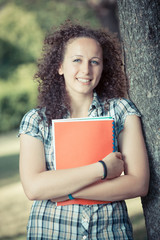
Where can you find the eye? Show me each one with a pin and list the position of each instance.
(77, 60)
(94, 62)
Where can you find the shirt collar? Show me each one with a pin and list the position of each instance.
(95, 109)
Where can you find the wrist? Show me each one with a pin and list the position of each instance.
(104, 169)
(99, 171)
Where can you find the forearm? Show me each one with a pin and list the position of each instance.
(123, 187)
(40, 184)
(55, 184)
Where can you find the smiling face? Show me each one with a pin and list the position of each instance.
(82, 66)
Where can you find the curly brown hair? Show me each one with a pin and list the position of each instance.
(52, 92)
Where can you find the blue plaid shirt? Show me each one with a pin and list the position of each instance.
(100, 221)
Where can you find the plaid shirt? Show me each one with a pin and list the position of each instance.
(100, 221)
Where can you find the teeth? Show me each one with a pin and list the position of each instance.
(83, 80)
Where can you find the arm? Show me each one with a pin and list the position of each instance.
(40, 184)
(136, 179)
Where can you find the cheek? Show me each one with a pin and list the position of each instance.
(72, 72)
(70, 69)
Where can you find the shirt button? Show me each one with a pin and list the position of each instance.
(84, 237)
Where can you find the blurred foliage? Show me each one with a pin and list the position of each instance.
(20, 38)
(22, 29)
(17, 97)
(53, 12)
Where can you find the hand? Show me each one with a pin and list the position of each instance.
(115, 164)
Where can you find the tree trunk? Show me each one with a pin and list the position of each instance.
(140, 31)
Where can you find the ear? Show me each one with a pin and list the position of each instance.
(60, 70)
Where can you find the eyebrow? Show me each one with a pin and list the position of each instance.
(82, 56)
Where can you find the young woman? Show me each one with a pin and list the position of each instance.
(81, 75)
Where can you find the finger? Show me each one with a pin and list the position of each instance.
(119, 155)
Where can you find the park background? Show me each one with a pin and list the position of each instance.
(23, 25)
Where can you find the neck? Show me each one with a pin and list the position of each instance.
(80, 105)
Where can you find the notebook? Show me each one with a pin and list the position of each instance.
(79, 142)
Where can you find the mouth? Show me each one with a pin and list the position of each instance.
(84, 80)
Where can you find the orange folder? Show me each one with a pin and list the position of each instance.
(80, 142)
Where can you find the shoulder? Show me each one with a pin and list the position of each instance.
(34, 115)
(120, 108)
(30, 119)
(123, 106)
(33, 123)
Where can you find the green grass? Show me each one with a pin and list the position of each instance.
(138, 227)
(17, 237)
(9, 172)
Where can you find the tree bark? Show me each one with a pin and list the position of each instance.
(140, 32)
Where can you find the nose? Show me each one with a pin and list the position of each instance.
(85, 68)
